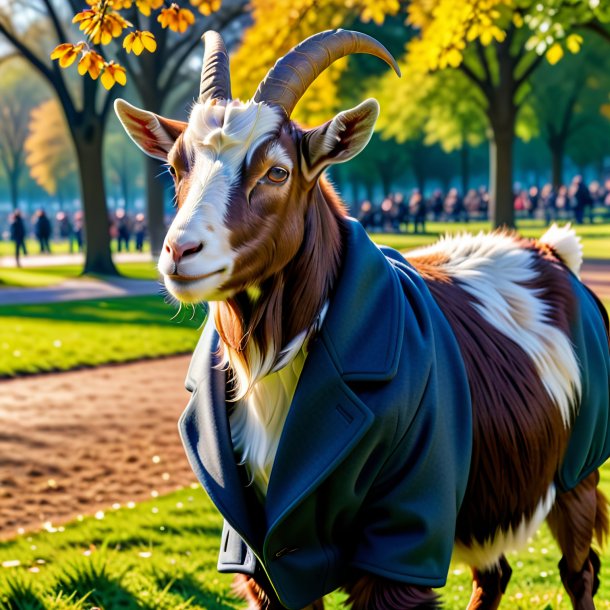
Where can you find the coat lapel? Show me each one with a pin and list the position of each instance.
(204, 428)
(360, 341)
(326, 419)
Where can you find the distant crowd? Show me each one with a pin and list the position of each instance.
(70, 228)
(576, 201)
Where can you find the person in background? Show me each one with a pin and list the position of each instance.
(18, 235)
(583, 202)
(548, 199)
(78, 230)
(139, 230)
(123, 230)
(533, 196)
(65, 229)
(42, 229)
(436, 204)
(417, 209)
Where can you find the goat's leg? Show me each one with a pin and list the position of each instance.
(489, 586)
(371, 592)
(576, 516)
(260, 595)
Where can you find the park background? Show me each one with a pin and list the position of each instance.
(502, 106)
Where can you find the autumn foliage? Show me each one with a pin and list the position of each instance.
(104, 22)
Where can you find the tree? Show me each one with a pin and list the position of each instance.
(433, 108)
(17, 96)
(86, 110)
(125, 170)
(278, 26)
(498, 45)
(567, 98)
(49, 150)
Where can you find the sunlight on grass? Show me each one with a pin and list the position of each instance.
(62, 336)
(162, 555)
(36, 277)
(595, 238)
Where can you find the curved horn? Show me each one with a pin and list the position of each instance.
(292, 74)
(215, 76)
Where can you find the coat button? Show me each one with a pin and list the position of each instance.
(286, 551)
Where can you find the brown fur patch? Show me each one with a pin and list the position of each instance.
(431, 266)
(518, 434)
(372, 592)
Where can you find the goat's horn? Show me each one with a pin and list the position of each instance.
(292, 74)
(215, 76)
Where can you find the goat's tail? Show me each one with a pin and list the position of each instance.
(566, 245)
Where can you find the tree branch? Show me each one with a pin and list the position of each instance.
(219, 24)
(27, 53)
(483, 59)
(110, 97)
(528, 72)
(598, 28)
(59, 30)
(481, 84)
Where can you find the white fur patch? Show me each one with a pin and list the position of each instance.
(258, 419)
(494, 269)
(566, 244)
(486, 555)
(217, 140)
(263, 398)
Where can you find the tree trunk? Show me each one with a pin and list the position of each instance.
(465, 167)
(88, 142)
(13, 185)
(557, 157)
(155, 205)
(502, 211)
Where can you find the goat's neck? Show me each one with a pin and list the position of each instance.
(267, 326)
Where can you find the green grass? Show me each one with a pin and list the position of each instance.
(62, 336)
(37, 277)
(7, 248)
(161, 555)
(595, 238)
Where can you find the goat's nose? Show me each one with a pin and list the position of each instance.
(179, 251)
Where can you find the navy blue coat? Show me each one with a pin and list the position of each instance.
(374, 457)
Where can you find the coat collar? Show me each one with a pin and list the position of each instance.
(363, 329)
(360, 340)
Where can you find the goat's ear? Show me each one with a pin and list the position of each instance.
(154, 134)
(339, 140)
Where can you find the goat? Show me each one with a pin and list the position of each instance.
(358, 417)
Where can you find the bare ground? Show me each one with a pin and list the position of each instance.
(77, 442)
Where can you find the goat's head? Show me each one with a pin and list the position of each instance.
(243, 171)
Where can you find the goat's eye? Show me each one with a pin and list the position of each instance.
(277, 174)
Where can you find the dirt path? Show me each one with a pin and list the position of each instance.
(74, 443)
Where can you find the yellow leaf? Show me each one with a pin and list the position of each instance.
(573, 42)
(554, 54)
(517, 20)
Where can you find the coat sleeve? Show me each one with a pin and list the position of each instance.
(410, 514)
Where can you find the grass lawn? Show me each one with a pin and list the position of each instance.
(62, 336)
(7, 248)
(595, 238)
(161, 555)
(36, 277)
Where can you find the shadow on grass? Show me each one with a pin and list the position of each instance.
(187, 587)
(93, 581)
(19, 594)
(144, 310)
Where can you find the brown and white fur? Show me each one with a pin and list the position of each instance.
(266, 254)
